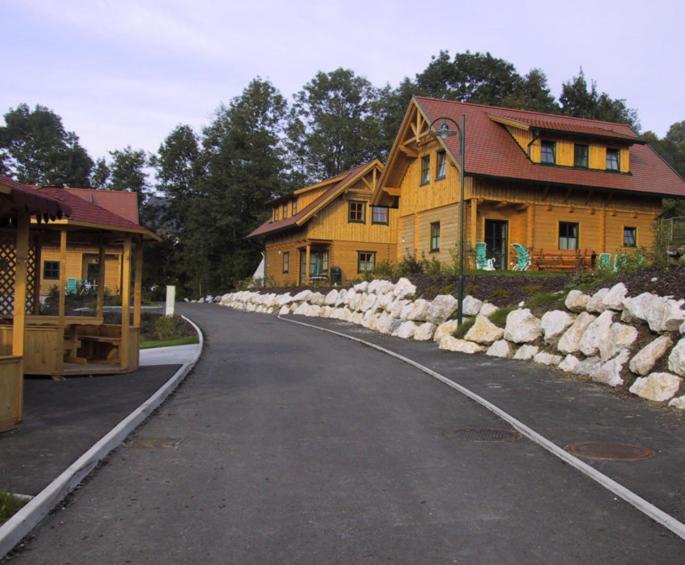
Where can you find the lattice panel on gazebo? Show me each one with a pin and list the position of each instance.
(8, 265)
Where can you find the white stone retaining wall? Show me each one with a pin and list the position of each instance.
(595, 336)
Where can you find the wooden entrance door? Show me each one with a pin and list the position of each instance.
(497, 240)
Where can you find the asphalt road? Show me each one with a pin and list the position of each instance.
(289, 445)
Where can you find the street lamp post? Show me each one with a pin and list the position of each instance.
(444, 132)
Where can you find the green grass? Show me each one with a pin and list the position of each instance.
(151, 343)
(545, 301)
(9, 505)
(462, 330)
(499, 318)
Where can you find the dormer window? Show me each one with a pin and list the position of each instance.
(441, 165)
(613, 160)
(580, 156)
(425, 169)
(548, 152)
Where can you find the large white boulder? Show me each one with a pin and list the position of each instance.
(446, 328)
(663, 314)
(522, 326)
(340, 299)
(471, 306)
(312, 310)
(646, 358)
(418, 312)
(380, 286)
(350, 295)
(441, 308)
(398, 307)
(404, 288)
(501, 348)
(656, 386)
(361, 287)
(368, 302)
(301, 309)
(589, 366)
(316, 298)
(284, 311)
(569, 363)
(424, 332)
(576, 301)
(554, 323)
(596, 332)
(484, 331)
(449, 343)
(283, 299)
(613, 299)
(545, 358)
(526, 352)
(609, 372)
(302, 296)
(385, 324)
(682, 328)
(570, 340)
(678, 403)
(488, 309)
(621, 336)
(596, 302)
(406, 330)
(676, 360)
(331, 297)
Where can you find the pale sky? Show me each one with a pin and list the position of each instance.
(125, 72)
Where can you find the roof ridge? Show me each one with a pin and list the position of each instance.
(536, 112)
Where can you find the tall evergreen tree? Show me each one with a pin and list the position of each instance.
(334, 124)
(579, 100)
(35, 148)
(99, 177)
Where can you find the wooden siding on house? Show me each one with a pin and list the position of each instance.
(76, 269)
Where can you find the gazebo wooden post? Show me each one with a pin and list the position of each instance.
(125, 303)
(138, 284)
(37, 241)
(100, 304)
(62, 274)
(19, 314)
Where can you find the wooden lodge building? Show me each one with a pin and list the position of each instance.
(329, 231)
(551, 183)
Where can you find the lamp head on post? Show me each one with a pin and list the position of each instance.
(444, 131)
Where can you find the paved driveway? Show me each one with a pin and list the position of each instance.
(289, 445)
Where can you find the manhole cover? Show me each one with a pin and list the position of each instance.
(485, 434)
(605, 451)
(153, 443)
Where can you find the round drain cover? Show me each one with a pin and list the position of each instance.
(486, 434)
(605, 451)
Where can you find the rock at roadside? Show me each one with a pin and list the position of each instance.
(284, 311)
(406, 330)
(302, 296)
(424, 332)
(522, 326)
(418, 310)
(441, 308)
(621, 336)
(501, 348)
(613, 299)
(678, 403)
(449, 343)
(483, 331)
(570, 341)
(331, 297)
(446, 328)
(545, 358)
(657, 386)
(554, 323)
(576, 301)
(526, 352)
(589, 366)
(404, 288)
(569, 364)
(646, 358)
(609, 372)
(595, 332)
(471, 306)
(488, 309)
(676, 360)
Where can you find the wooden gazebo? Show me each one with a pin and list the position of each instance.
(19, 204)
(66, 337)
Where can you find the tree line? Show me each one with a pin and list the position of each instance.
(212, 187)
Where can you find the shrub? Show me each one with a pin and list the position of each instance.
(431, 266)
(632, 261)
(409, 266)
(384, 270)
(169, 327)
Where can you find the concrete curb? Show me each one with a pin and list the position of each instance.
(21, 524)
(644, 506)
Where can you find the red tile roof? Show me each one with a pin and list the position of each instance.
(85, 212)
(123, 203)
(29, 198)
(270, 227)
(491, 151)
